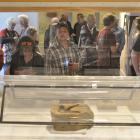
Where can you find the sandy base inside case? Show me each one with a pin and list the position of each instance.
(29, 132)
(121, 114)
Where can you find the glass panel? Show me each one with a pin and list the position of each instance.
(84, 56)
(110, 102)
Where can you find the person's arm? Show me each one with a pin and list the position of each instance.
(82, 38)
(120, 40)
(70, 27)
(95, 34)
(46, 39)
(123, 39)
(4, 40)
(113, 43)
(48, 62)
(74, 29)
(135, 61)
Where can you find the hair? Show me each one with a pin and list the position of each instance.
(59, 26)
(64, 17)
(80, 14)
(24, 18)
(62, 24)
(31, 31)
(10, 21)
(108, 19)
(138, 23)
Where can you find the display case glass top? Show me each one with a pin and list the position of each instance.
(111, 99)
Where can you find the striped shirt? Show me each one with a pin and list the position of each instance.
(56, 56)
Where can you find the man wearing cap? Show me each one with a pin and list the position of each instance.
(27, 61)
(8, 43)
(62, 57)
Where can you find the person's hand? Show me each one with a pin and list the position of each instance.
(114, 49)
(73, 68)
(76, 66)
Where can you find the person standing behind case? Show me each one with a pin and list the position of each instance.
(120, 41)
(50, 33)
(77, 27)
(120, 36)
(106, 42)
(62, 58)
(89, 32)
(8, 43)
(33, 34)
(24, 24)
(26, 61)
(87, 41)
(135, 54)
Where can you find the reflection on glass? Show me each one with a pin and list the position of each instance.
(94, 44)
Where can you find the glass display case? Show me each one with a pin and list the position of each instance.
(93, 108)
